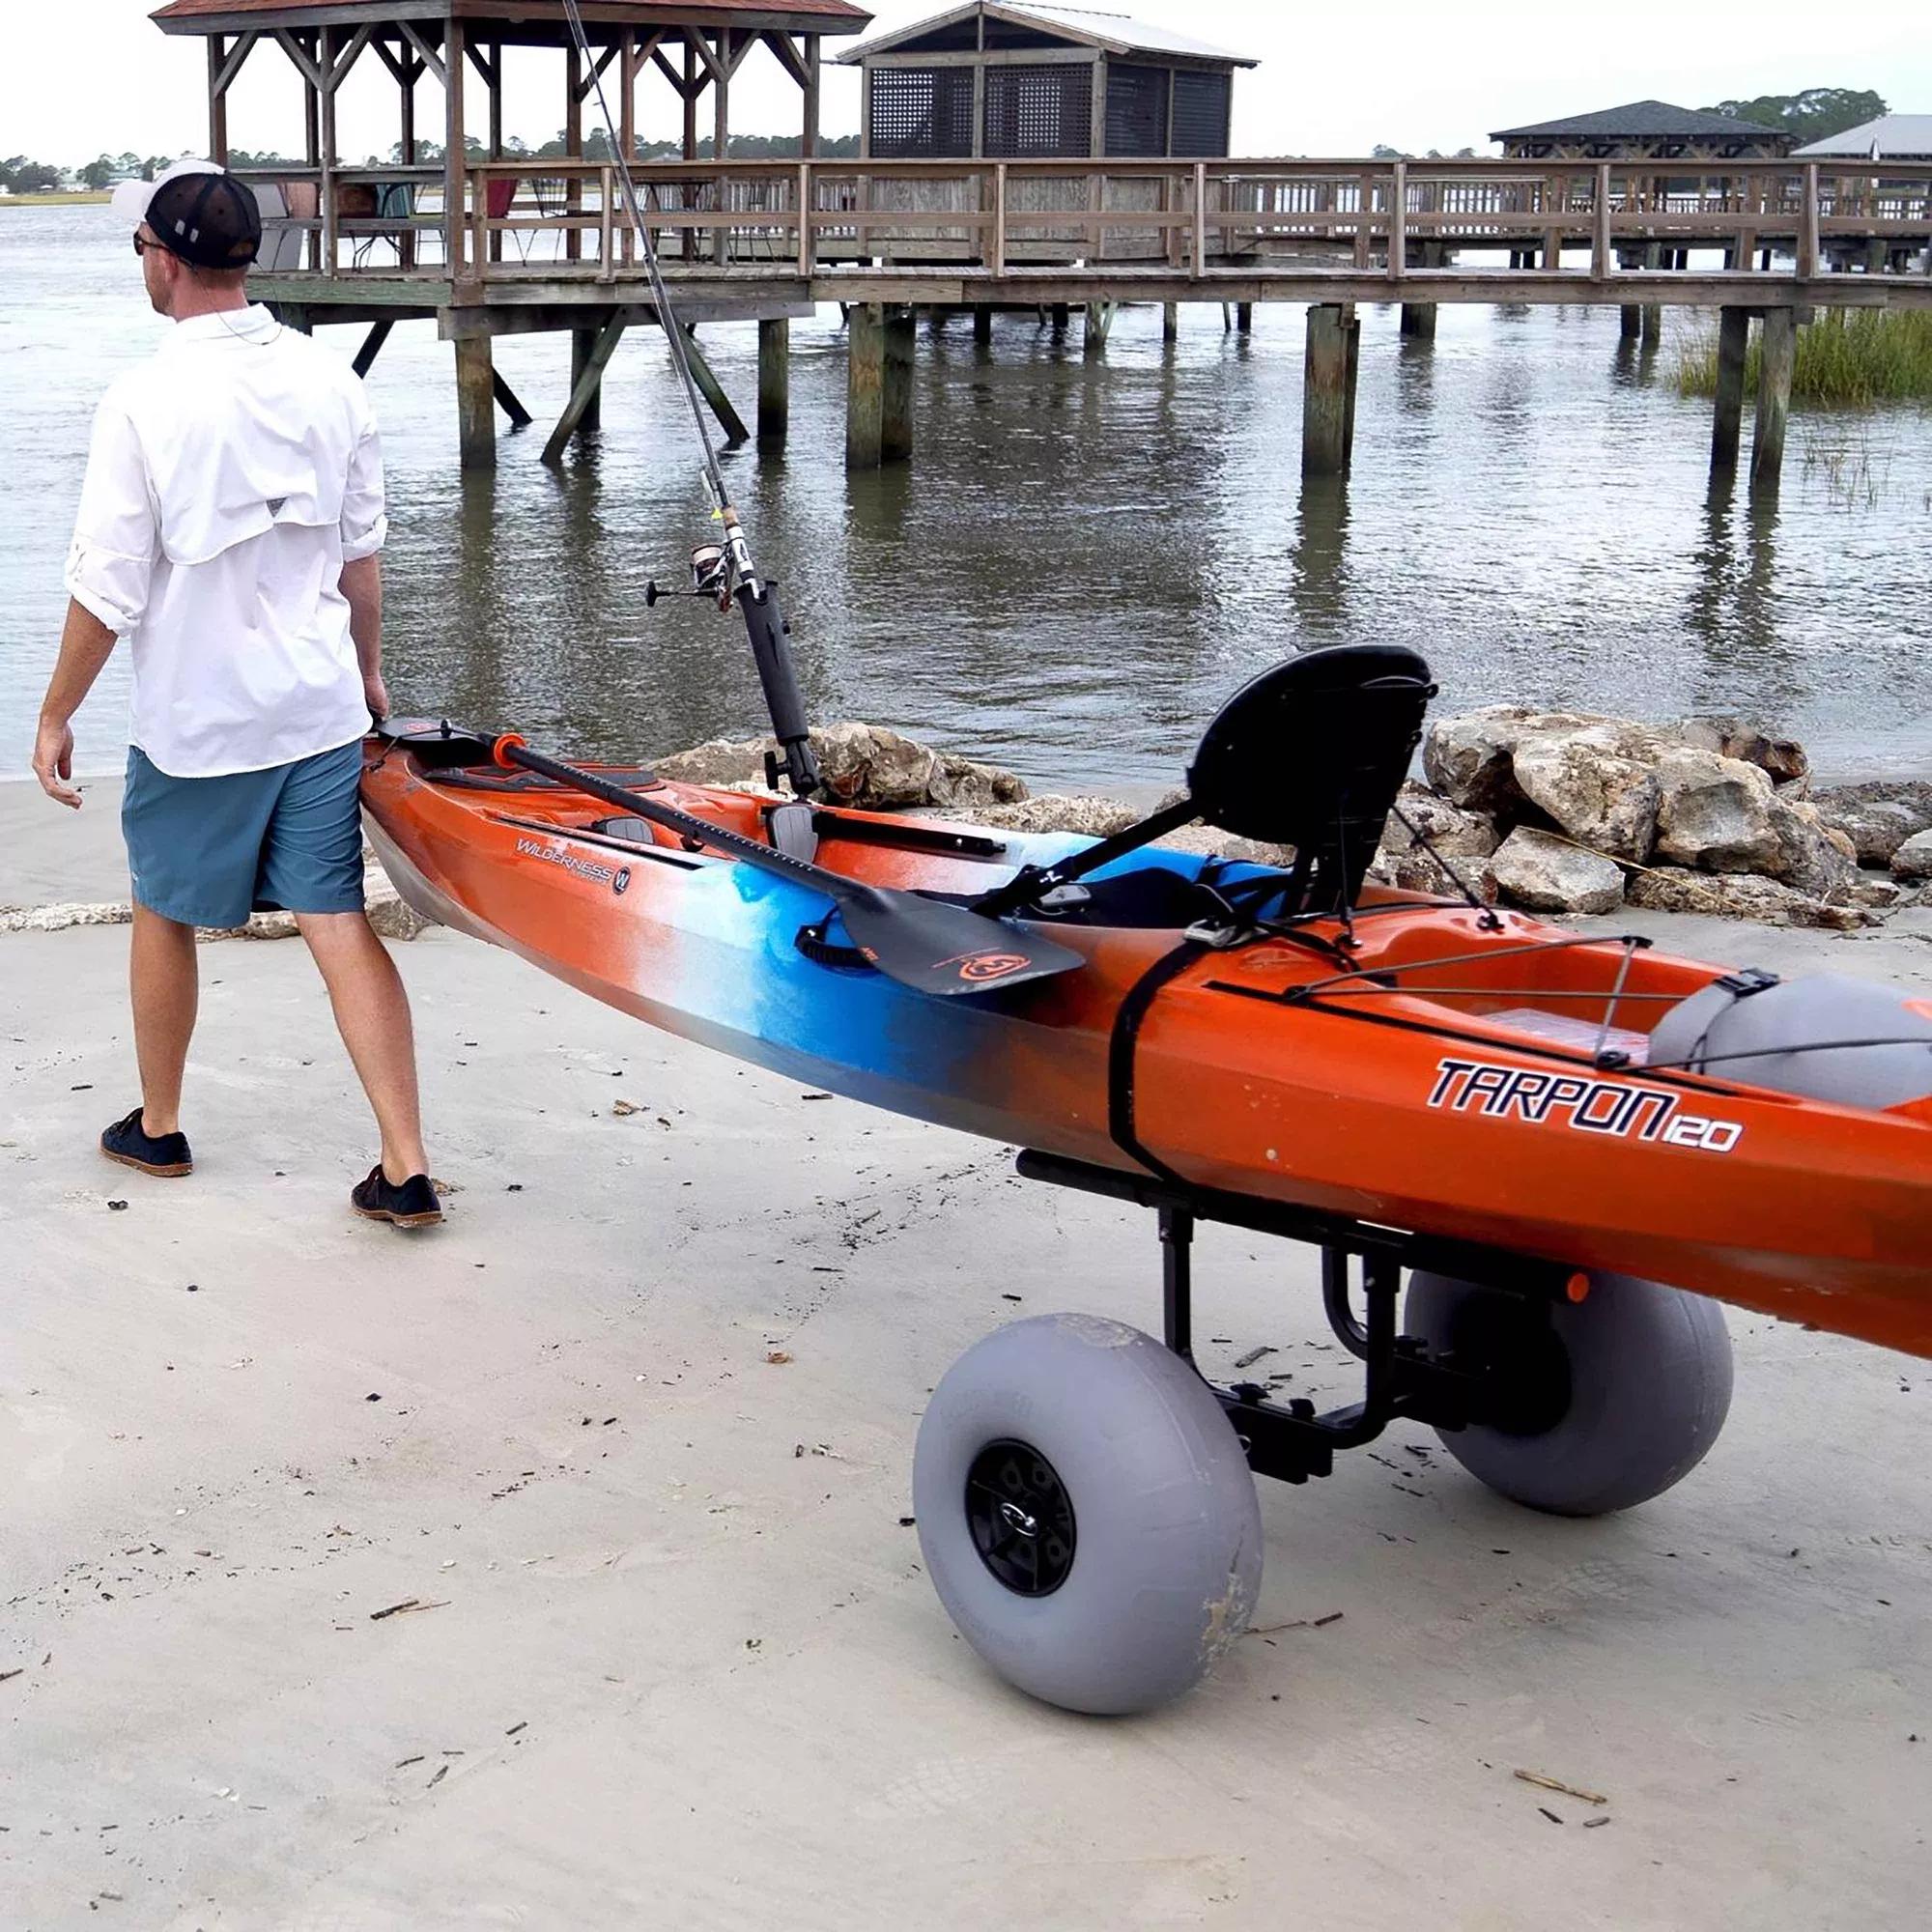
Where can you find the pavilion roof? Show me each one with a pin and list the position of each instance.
(825, 16)
(1638, 121)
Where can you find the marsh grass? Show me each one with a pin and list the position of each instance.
(1851, 357)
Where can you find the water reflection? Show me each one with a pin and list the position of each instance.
(1082, 558)
(1732, 605)
(1321, 584)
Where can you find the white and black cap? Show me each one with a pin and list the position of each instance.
(198, 212)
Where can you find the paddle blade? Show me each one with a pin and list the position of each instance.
(946, 950)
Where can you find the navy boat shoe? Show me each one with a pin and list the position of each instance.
(412, 1204)
(133, 1145)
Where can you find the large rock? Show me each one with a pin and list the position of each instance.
(1468, 758)
(867, 765)
(1781, 760)
(1056, 812)
(1877, 817)
(1812, 858)
(1715, 813)
(1741, 896)
(1462, 839)
(1912, 861)
(1602, 799)
(1548, 875)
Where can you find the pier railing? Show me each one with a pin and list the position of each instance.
(526, 218)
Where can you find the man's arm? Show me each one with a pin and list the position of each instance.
(362, 586)
(109, 572)
(86, 645)
(365, 530)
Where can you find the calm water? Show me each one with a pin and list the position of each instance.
(1082, 558)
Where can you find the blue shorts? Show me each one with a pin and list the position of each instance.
(209, 852)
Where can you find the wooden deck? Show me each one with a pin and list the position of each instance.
(749, 237)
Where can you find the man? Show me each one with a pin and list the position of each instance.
(230, 528)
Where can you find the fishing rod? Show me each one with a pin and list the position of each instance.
(732, 576)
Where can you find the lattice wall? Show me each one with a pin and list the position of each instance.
(1039, 110)
(922, 113)
(1136, 110)
(1201, 113)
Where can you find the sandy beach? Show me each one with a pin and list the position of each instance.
(631, 1436)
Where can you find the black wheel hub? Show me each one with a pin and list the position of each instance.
(1020, 1518)
(1512, 1344)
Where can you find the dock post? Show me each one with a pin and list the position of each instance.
(1244, 318)
(1418, 318)
(1327, 396)
(982, 323)
(1630, 321)
(1061, 312)
(584, 389)
(774, 378)
(865, 384)
(1170, 321)
(1733, 334)
(1653, 324)
(713, 390)
(1096, 324)
(1777, 351)
(475, 403)
(896, 387)
(583, 345)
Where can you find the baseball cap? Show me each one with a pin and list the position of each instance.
(198, 212)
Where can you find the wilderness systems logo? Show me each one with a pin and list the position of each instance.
(585, 868)
(1590, 1106)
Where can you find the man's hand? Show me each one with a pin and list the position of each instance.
(53, 762)
(376, 695)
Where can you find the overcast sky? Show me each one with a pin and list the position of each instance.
(82, 76)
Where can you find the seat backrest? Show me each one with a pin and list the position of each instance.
(1312, 754)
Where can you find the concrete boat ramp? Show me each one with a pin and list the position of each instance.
(552, 1570)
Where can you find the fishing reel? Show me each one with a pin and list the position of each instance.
(710, 578)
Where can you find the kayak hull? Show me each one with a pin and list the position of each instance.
(1251, 1071)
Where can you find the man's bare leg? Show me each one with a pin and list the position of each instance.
(163, 980)
(372, 1013)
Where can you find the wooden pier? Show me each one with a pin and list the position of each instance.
(512, 243)
(763, 239)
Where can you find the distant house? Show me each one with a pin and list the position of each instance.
(1891, 137)
(1645, 130)
(1002, 79)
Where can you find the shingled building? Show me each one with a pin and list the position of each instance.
(1643, 130)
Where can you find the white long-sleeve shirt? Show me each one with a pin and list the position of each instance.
(230, 478)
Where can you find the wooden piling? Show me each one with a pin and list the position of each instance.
(1777, 351)
(1418, 320)
(372, 347)
(713, 392)
(584, 390)
(1653, 324)
(583, 345)
(1170, 321)
(982, 323)
(1327, 402)
(1096, 325)
(1733, 334)
(1244, 318)
(1061, 313)
(475, 403)
(774, 379)
(1630, 320)
(896, 387)
(865, 384)
(511, 403)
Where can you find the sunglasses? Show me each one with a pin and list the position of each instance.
(142, 245)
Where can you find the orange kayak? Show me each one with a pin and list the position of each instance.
(1416, 1064)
